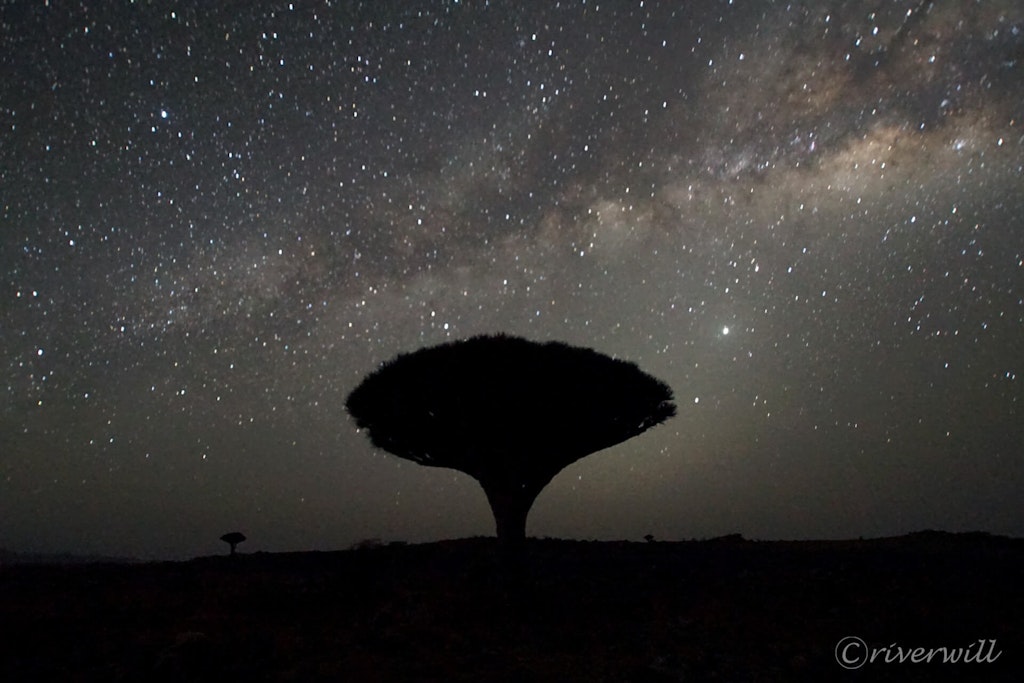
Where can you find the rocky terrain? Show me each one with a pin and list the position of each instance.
(724, 609)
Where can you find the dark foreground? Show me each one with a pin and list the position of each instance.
(719, 610)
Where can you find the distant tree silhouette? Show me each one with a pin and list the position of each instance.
(509, 412)
(233, 538)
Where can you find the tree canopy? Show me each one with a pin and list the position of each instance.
(507, 411)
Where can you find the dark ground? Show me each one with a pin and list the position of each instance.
(718, 610)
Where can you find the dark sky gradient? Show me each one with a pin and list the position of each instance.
(806, 217)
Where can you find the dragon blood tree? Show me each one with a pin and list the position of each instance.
(509, 412)
(233, 538)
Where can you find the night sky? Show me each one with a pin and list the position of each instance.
(216, 218)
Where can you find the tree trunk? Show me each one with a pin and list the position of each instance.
(510, 504)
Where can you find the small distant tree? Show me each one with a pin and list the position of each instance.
(366, 544)
(509, 412)
(233, 538)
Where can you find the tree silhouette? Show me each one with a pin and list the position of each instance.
(233, 538)
(509, 412)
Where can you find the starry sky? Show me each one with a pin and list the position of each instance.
(216, 218)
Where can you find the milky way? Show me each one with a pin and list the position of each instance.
(806, 217)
